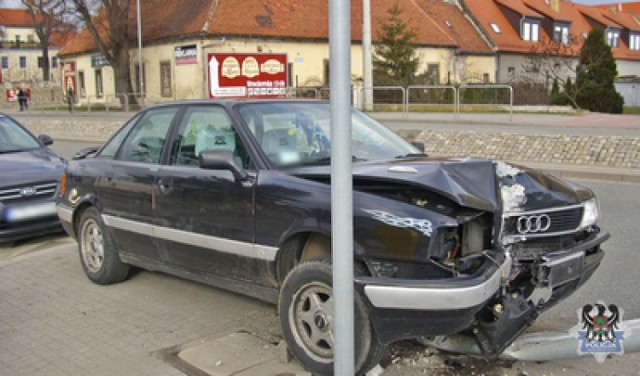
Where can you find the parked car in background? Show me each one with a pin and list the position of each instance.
(29, 174)
(236, 194)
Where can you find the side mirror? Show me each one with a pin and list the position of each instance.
(418, 145)
(86, 152)
(221, 160)
(45, 139)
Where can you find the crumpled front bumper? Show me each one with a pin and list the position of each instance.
(405, 308)
(409, 308)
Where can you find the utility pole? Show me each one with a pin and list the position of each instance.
(341, 186)
(367, 91)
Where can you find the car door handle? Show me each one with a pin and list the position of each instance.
(163, 186)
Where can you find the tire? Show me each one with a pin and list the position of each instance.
(98, 256)
(305, 308)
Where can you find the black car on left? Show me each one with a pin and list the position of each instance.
(29, 175)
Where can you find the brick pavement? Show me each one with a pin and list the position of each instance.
(108, 330)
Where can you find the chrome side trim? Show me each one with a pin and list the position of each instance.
(243, 249)
(434, 298)
(128, 225)
(65, 214)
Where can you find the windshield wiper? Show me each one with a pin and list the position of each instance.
(326, 160)
(411, 155)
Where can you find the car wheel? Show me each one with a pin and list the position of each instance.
(306, 314)
(98, 256)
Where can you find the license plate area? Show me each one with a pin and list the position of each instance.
(559, 270)
(15, 214)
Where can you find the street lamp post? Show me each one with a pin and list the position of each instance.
(140, 66)
(367, 75)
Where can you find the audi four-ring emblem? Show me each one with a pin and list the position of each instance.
(531, 224)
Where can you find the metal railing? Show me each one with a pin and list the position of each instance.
(463, 87)
(426, 92)
(384, 98)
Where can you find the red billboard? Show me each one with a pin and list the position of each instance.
(69, 79)
(246, 75)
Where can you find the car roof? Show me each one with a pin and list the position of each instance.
(229, 102)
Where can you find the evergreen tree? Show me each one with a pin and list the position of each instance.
(595, 75)
(395, 58)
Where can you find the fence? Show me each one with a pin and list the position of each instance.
(443, 98)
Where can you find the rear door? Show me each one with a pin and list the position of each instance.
(125, 189)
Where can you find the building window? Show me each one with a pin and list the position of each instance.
(23, 62)
(634, 41)
(5, 62)
(613, 38)
(530, 31)
(54, 62)
(30, 38)
(511, 71)
(290, 75)
(165, 78)
(81, 85)
(99, 90)
(561, 33)
(40, 62)
(433, 74)
(485, 78)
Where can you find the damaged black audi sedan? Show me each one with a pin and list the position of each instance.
(236, 194)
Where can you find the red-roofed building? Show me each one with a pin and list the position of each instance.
(20, 51)
(450, 47)
(524, 32)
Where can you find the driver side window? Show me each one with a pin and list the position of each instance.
(146, 140)
(206, 128)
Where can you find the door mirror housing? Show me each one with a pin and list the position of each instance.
(221, 160)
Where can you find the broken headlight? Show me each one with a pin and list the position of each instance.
(590, 214)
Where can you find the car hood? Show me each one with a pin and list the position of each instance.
(470, 182)
(28, 167)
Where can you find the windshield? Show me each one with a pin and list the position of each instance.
(14, 138)
(299, 133)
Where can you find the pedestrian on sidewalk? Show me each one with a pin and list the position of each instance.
(70, 98)
(23, 99)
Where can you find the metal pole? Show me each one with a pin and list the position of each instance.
(367, 74)
(140, 70)
(341, 185)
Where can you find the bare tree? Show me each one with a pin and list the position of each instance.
(551, 61)
(47, 16)
(110, 30)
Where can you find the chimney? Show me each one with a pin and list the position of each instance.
(555, 5)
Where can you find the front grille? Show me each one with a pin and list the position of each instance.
(543, 223)
(27, 193)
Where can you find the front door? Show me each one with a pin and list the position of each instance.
(205, 218)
